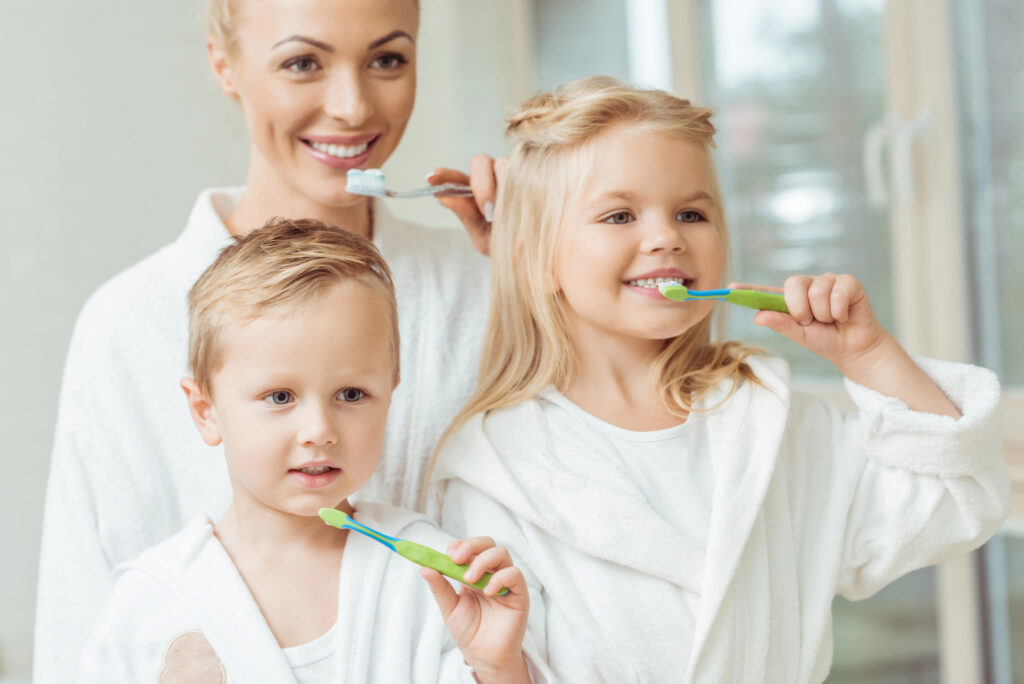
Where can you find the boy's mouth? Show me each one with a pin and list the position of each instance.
(314, 470)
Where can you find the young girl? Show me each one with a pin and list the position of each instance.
(689, 516)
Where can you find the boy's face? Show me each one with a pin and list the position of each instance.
(302, 399)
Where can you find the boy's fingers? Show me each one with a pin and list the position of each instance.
(511, 577)
(819, 294)
(795, 289)
(488, 560)
(443, 592)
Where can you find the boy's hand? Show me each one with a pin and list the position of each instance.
(829, 315)
(487, 628)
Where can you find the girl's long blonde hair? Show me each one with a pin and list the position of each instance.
(527, 345)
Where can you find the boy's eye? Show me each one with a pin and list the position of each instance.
(690, 216)
(278, 398)
(389, 62)
(351, 394)
(618, 218)
(301, 65)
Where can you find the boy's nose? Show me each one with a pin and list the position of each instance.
(317, 428)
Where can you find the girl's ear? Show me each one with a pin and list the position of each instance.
(221, 67)
(203, 413)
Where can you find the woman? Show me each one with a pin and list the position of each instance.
(325, 86)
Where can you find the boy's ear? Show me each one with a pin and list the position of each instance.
(221, 67)
(203, 414)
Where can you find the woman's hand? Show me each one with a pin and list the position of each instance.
(487, 628)
(477, 212)
(830, 315)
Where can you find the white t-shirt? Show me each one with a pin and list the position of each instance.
(671, 466)
(313, 662)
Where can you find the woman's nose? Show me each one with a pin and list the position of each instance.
(317, 428)
(348, 99)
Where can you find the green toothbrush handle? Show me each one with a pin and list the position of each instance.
(429, 558)
(755, 299)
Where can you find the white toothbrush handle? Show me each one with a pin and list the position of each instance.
(443, 190)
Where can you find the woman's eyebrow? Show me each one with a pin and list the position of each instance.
(306, 39)
(389, 37)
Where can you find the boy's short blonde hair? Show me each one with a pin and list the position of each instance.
(285, 264)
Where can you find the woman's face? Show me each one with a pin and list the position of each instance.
(325, 85)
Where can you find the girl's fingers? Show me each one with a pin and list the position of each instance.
(844, 292)
(819, 294)
(463, 550)
(751, 286)
(444, 594)
(795, 289)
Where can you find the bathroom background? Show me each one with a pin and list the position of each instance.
(883, 138)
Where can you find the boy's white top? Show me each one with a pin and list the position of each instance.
(129, 468)
(807, 503)
(181, 611)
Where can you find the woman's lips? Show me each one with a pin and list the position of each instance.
(340, 156)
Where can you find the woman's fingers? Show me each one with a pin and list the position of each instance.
(467, 209)
(483, 180)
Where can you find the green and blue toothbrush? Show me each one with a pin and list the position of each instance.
(752, 299)
(417, 553)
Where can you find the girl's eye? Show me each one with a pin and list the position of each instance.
(351, 394)
(301, 65)
(618, 218)
(278, 398)
(389, 62)
(690, 216)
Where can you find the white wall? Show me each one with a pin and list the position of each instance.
(109, 127)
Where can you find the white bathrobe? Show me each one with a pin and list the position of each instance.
(807, 503)
(129, 469)
(389, 627)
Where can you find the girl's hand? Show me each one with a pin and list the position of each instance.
(829, 315)
(487, 628)
(477, 212)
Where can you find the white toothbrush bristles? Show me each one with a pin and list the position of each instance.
(368, 182)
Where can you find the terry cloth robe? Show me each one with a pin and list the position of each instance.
(807, 503)
(129, 468)
(181, 614)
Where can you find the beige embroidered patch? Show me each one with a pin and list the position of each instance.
(189, 659)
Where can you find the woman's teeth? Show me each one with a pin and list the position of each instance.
(315, 470)
(340, 151)
(654, 282)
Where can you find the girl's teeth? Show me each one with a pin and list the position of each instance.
(340, 151)
(318, 470)
(653, 282)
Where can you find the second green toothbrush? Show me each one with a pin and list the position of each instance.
(752, 299)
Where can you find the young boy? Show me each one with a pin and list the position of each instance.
(293, 350)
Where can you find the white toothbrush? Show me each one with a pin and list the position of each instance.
(371, 182)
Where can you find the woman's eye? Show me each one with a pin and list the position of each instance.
(618, 218)
(351, 394)
(389, 62)
(278, 398)
(301, 65)
(690, 216)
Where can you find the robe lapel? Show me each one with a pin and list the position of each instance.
(745, 435)
(359, 594)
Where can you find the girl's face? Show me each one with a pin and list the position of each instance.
(645, 213)
(325, 85)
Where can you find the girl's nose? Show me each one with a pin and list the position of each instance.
(348, 99)
(663, 236)
(317, 427)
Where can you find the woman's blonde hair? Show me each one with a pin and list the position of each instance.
(527, 345)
